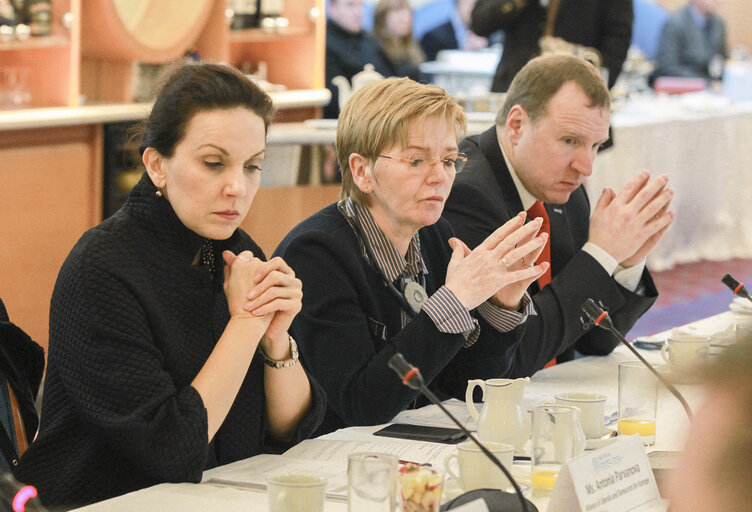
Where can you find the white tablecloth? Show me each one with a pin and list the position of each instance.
(593, 373)
(704, 144)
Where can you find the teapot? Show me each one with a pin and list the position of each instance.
(503, 417)
(368, 75)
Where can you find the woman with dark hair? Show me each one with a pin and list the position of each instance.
(169, 352)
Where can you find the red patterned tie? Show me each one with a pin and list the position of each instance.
(538, 210)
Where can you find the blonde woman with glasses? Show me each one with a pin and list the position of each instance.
(383, 273)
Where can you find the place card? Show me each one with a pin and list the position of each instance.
(615, 478)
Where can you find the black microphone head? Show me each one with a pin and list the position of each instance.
(596, 313)
(735, 286)
(399, 364)
(729, 281)
(409, 374)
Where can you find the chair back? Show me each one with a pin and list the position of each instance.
(21, 370)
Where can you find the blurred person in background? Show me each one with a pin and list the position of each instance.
(349, 48)
(693, 42)
(713, 473)
(455, 34)
(605, 25)
(393, 30)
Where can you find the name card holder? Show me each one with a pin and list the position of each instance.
(615, 478)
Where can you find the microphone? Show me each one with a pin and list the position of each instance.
(17, 497)
(412, 378)
(602, 320)
(736, 287)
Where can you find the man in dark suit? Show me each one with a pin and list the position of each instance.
(693, 42)
(542, 147)
(454, 34)
(605, 25)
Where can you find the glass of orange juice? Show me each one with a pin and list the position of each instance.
(638, 400)
(556, 437)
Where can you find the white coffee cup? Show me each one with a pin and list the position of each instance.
(291, 492)
(683, 351)
(476, 471)
(591, 406)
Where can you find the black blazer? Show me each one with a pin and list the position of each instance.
(350, 326)
(437, 39)
(483, 198)
(602, 24)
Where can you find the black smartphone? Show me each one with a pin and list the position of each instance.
(422, 433)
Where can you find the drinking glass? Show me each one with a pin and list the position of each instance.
(638, 401)
(556, 437)
(371, 482)
(296, 493)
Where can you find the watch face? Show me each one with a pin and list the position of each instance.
(415, 295)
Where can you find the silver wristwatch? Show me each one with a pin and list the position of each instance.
(283, 364)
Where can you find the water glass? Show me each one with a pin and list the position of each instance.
(296, 493)
(556, 437)
(371, 482)
(638, 401)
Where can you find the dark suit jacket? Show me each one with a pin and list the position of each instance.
(685, 50)
(483, 198)
(350, 326)
(602, 24)
(346, 54)
(437, 39)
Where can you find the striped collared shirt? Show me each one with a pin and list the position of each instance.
(445, 310)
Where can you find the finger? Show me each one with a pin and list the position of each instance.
(270, 296)
(278, 305)
(657, 206)
(606, 197)
(466, 250)
(503, 232)
(274, 279)
(517, 237)
(246, 255)
(528, 251)
(458, 251)
(274, 264)
(229, 257)
(650, 191)
(531, 273)
(633, 186)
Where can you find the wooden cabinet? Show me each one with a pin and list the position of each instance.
(93, 54)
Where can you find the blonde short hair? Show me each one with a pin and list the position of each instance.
(376, 116)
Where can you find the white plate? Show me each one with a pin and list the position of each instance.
(600, 442)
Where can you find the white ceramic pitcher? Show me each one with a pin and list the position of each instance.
(503, 417)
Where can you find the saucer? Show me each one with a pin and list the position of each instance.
(600, 442)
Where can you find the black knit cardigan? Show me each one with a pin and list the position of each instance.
(132, 322)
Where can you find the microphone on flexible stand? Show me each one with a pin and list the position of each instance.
(412, 378)
(602, 320)
(736, 287)
(17, 497)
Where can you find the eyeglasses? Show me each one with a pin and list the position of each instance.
(424, 165)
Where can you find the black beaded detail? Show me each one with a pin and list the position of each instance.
(207, 256)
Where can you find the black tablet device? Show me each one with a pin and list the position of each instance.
(422, 433)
